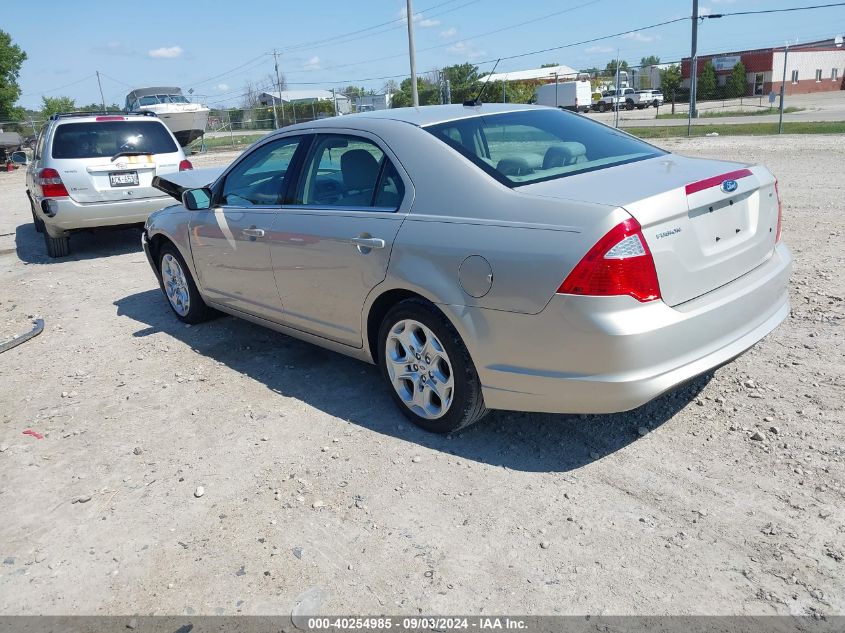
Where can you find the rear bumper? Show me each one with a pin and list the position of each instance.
(611, 354)
(72, 215)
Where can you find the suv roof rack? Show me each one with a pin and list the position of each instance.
(70, 115)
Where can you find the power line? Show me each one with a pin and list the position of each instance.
(788, 9)
(73, 83)
(452, 43)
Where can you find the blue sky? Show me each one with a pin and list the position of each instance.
(215, 47)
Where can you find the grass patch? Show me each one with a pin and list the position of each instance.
(714, 114)
(741, 129)
(225, 142)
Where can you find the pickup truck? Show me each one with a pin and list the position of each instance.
(626, 98)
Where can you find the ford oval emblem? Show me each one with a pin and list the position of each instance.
(729, 186)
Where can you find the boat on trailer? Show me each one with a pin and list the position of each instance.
(187, 120)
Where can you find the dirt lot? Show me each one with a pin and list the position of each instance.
(727, 497)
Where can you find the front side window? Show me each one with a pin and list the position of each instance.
(260, 178)
(795, 76)
(105, 139)
(818, 74)
(519, 148)
(834, 74)
(349, 171)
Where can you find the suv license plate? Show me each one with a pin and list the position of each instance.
(124, 179)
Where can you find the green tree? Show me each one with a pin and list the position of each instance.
(98, 107)
(54, 105)
(670, 81)
(737, 82)
(11, 59)
(610, 69)
(650, 60)
(463, 81)
(707, 82)
(549, 65)
(428, 93)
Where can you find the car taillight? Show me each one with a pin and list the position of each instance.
(51, 183)
(185, 164)
(620, 263)
(110, 118)
(780, 213)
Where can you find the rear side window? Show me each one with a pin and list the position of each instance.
(104, 139)
(519, 148)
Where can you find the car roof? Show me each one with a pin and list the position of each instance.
(421, 116)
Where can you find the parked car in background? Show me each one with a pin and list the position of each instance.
(92, 171)
(569, 95)
(646, 98)
(485, 257)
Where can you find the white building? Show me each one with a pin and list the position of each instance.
(297, 97)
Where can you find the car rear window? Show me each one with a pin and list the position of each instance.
(519, 148)
(104, 139)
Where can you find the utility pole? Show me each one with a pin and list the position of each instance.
(279, 88)
(616, 94)
(693, 85)
(412, 53)
(783, 89)
(556, 84)
(102, 98)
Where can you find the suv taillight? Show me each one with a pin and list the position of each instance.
(620, 263)
(51, 184)
(185, 164)
(780, 213)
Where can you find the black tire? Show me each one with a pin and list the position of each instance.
(629, 105)
(198, 311)
(655, 103)
(467, 401)
(38, 222)
(57, 246)
(602, 106)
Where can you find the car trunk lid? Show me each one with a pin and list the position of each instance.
(706, 222)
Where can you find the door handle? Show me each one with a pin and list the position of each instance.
(253, 232)
(367, 242)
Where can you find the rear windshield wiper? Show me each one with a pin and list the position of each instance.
(128, 153)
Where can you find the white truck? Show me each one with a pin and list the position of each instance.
(569, 95)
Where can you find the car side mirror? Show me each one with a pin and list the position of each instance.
(197, 199)
(18, 157)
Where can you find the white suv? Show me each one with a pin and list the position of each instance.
(92, 170)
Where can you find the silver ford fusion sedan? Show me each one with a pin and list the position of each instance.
(485, 257)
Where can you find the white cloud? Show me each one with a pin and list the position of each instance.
(312, 64)
(450, 32)
(599, 49)
(424, 23)
(467, 51)
(638, 37)
(704, 10)
(222, 87)
(166, 52)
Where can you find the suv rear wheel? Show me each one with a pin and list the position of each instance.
(428, 369)
(56, 246)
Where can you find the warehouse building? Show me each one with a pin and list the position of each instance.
(812, 67)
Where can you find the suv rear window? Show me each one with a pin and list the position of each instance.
(519, 148)
(104, 139)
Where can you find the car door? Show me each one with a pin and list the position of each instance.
(230, 241)
(331, 247)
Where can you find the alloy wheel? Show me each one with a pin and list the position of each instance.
(419, 369)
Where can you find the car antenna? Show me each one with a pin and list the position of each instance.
(477, 101)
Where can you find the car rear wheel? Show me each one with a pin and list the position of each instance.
(602, 106)
(428, 368)
(57, 246)
(179, 287)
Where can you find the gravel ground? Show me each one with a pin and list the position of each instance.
(725, 497)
